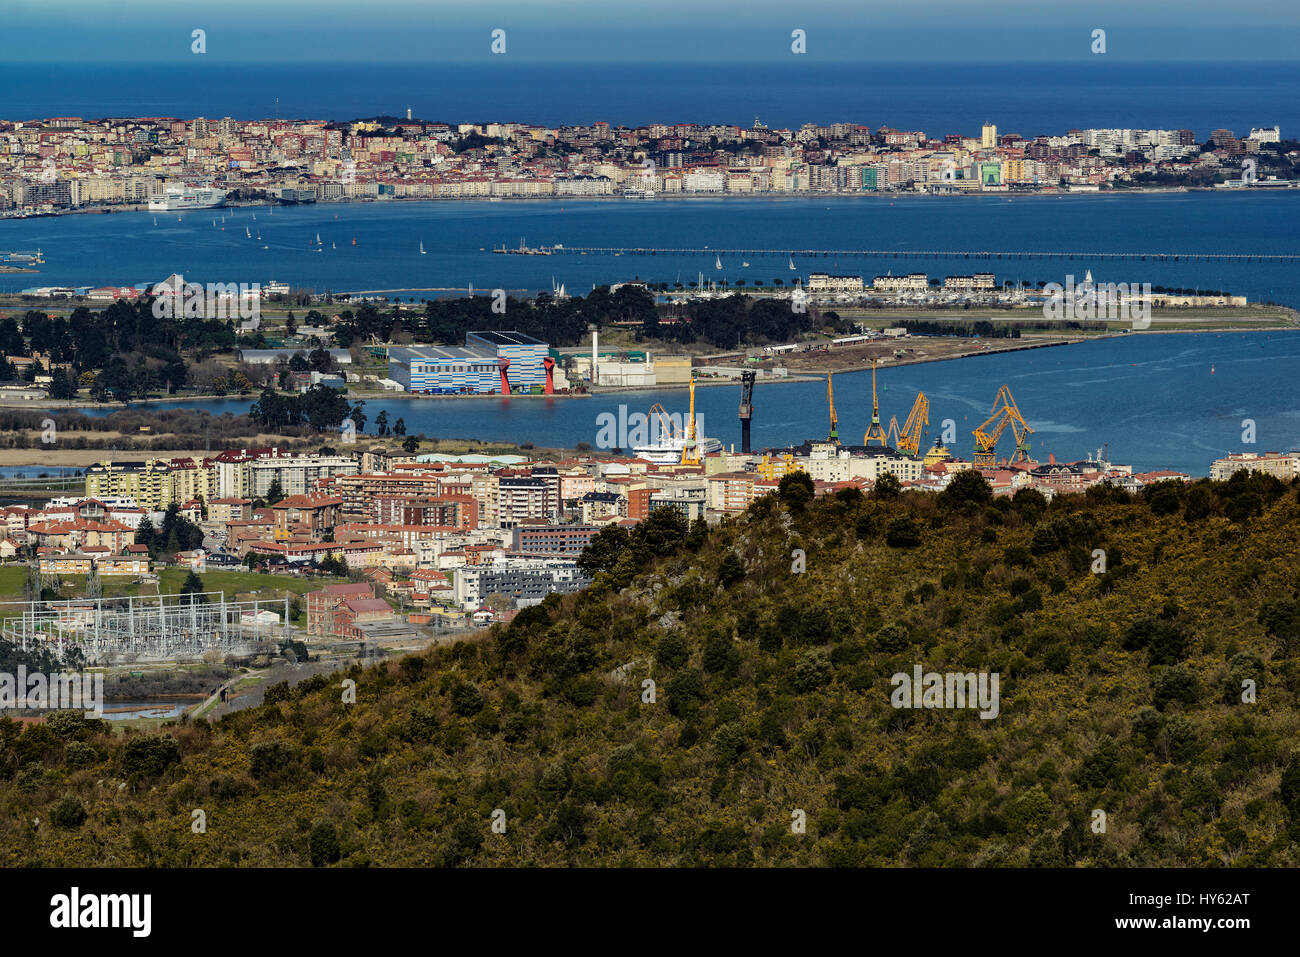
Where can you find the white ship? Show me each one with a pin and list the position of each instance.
(669, 451)
(185, 197)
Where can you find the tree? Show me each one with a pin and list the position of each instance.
(399, 427)
(358, 417)
(967, 486)
(410, 444)
(275, 493)
(796, 490)
(193, 585)
(888, 486)
(381, 423)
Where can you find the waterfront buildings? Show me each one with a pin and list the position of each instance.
(172, 163)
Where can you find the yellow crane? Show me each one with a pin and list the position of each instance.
(690, 448)
(874, 431)
(835, 422)
(1005, 412)
(892, 432)
(909, 439)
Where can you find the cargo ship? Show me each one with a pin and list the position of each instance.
(186, 197)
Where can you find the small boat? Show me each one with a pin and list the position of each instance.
(1211, 370)
(214, 224)
(333, 245)
(354, 240)
(248, 232)
(717, 262)
(743, 263)
(259, 234)
(318, 239)
(155, 220)
(791, 262)
(255, 217)
(422, 252)
(266, 247)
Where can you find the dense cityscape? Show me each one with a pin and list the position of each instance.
(68, 163)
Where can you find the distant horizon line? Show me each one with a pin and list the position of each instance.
(497, 62)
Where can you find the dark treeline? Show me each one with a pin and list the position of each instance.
(168, 428)
(319, 408)
(121, 352)
(989, 330)
(565, 322)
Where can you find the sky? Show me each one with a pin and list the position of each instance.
(702, 31)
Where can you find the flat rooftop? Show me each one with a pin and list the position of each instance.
(468, 353)
(506, 338)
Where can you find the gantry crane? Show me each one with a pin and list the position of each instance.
(690, 448)
(874, 431)
(892, 432)
(746, 407)
(1005, 412)
(909, 440)
(835, 422)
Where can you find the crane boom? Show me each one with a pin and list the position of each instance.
(874, 433)
(690, 448)
(909, 440)
(835, 422)
(1005, 412)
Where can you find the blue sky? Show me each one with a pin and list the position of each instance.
(648, 30)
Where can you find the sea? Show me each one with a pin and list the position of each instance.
(1153, 401)
(936, 97)
(222, 245)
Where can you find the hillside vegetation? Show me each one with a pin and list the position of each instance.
(1121, 692)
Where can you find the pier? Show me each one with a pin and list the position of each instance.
(919, 254)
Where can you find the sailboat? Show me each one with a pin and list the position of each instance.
(333, 245)
(318, 242)
(791, 262)
(717, 262)
(259, 234)
(422, 252)
(155, 220)
(248, 232)
(255, 217)
(743, 263)
(214, 224)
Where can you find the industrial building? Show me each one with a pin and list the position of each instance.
(474, 367)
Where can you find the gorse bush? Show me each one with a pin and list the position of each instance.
(676, 712)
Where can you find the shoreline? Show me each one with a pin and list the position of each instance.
(1022, 344)
(1047, 192)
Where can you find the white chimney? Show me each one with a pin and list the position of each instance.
(594, 360)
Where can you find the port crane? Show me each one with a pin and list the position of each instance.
(1005, 412)
(835, 422)
(874, 431)
(909, 438)
(746, 407)
(690, 448)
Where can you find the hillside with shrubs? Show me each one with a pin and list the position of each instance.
(712, 684)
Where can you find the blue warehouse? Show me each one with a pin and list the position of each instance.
(472, 368)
